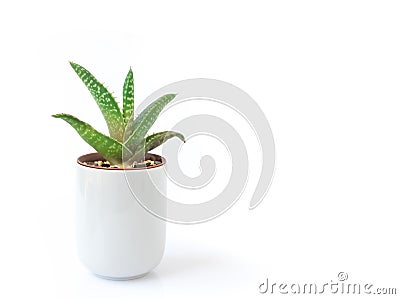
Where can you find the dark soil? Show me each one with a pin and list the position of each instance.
(107, 164)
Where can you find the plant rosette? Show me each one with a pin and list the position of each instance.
(116, 237)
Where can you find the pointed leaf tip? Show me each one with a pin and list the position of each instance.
(58, 115)
(105, 100)
(106, 146)
(137, 128)
(128, 97)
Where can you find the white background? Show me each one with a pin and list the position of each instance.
(326, 74)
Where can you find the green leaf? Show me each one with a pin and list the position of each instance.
(142, 124)
(105, 100)
(106, 146)
(153, 141)
(157, 139)
(128, 97)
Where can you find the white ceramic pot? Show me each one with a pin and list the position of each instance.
(116, 237)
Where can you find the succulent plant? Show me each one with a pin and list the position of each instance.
(120, 123)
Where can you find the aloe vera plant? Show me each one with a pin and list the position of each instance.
(120, 123)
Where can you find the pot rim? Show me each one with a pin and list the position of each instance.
(96, 156)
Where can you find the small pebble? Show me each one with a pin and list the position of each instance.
(139, 165)
(107, 164)
(98, 163)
